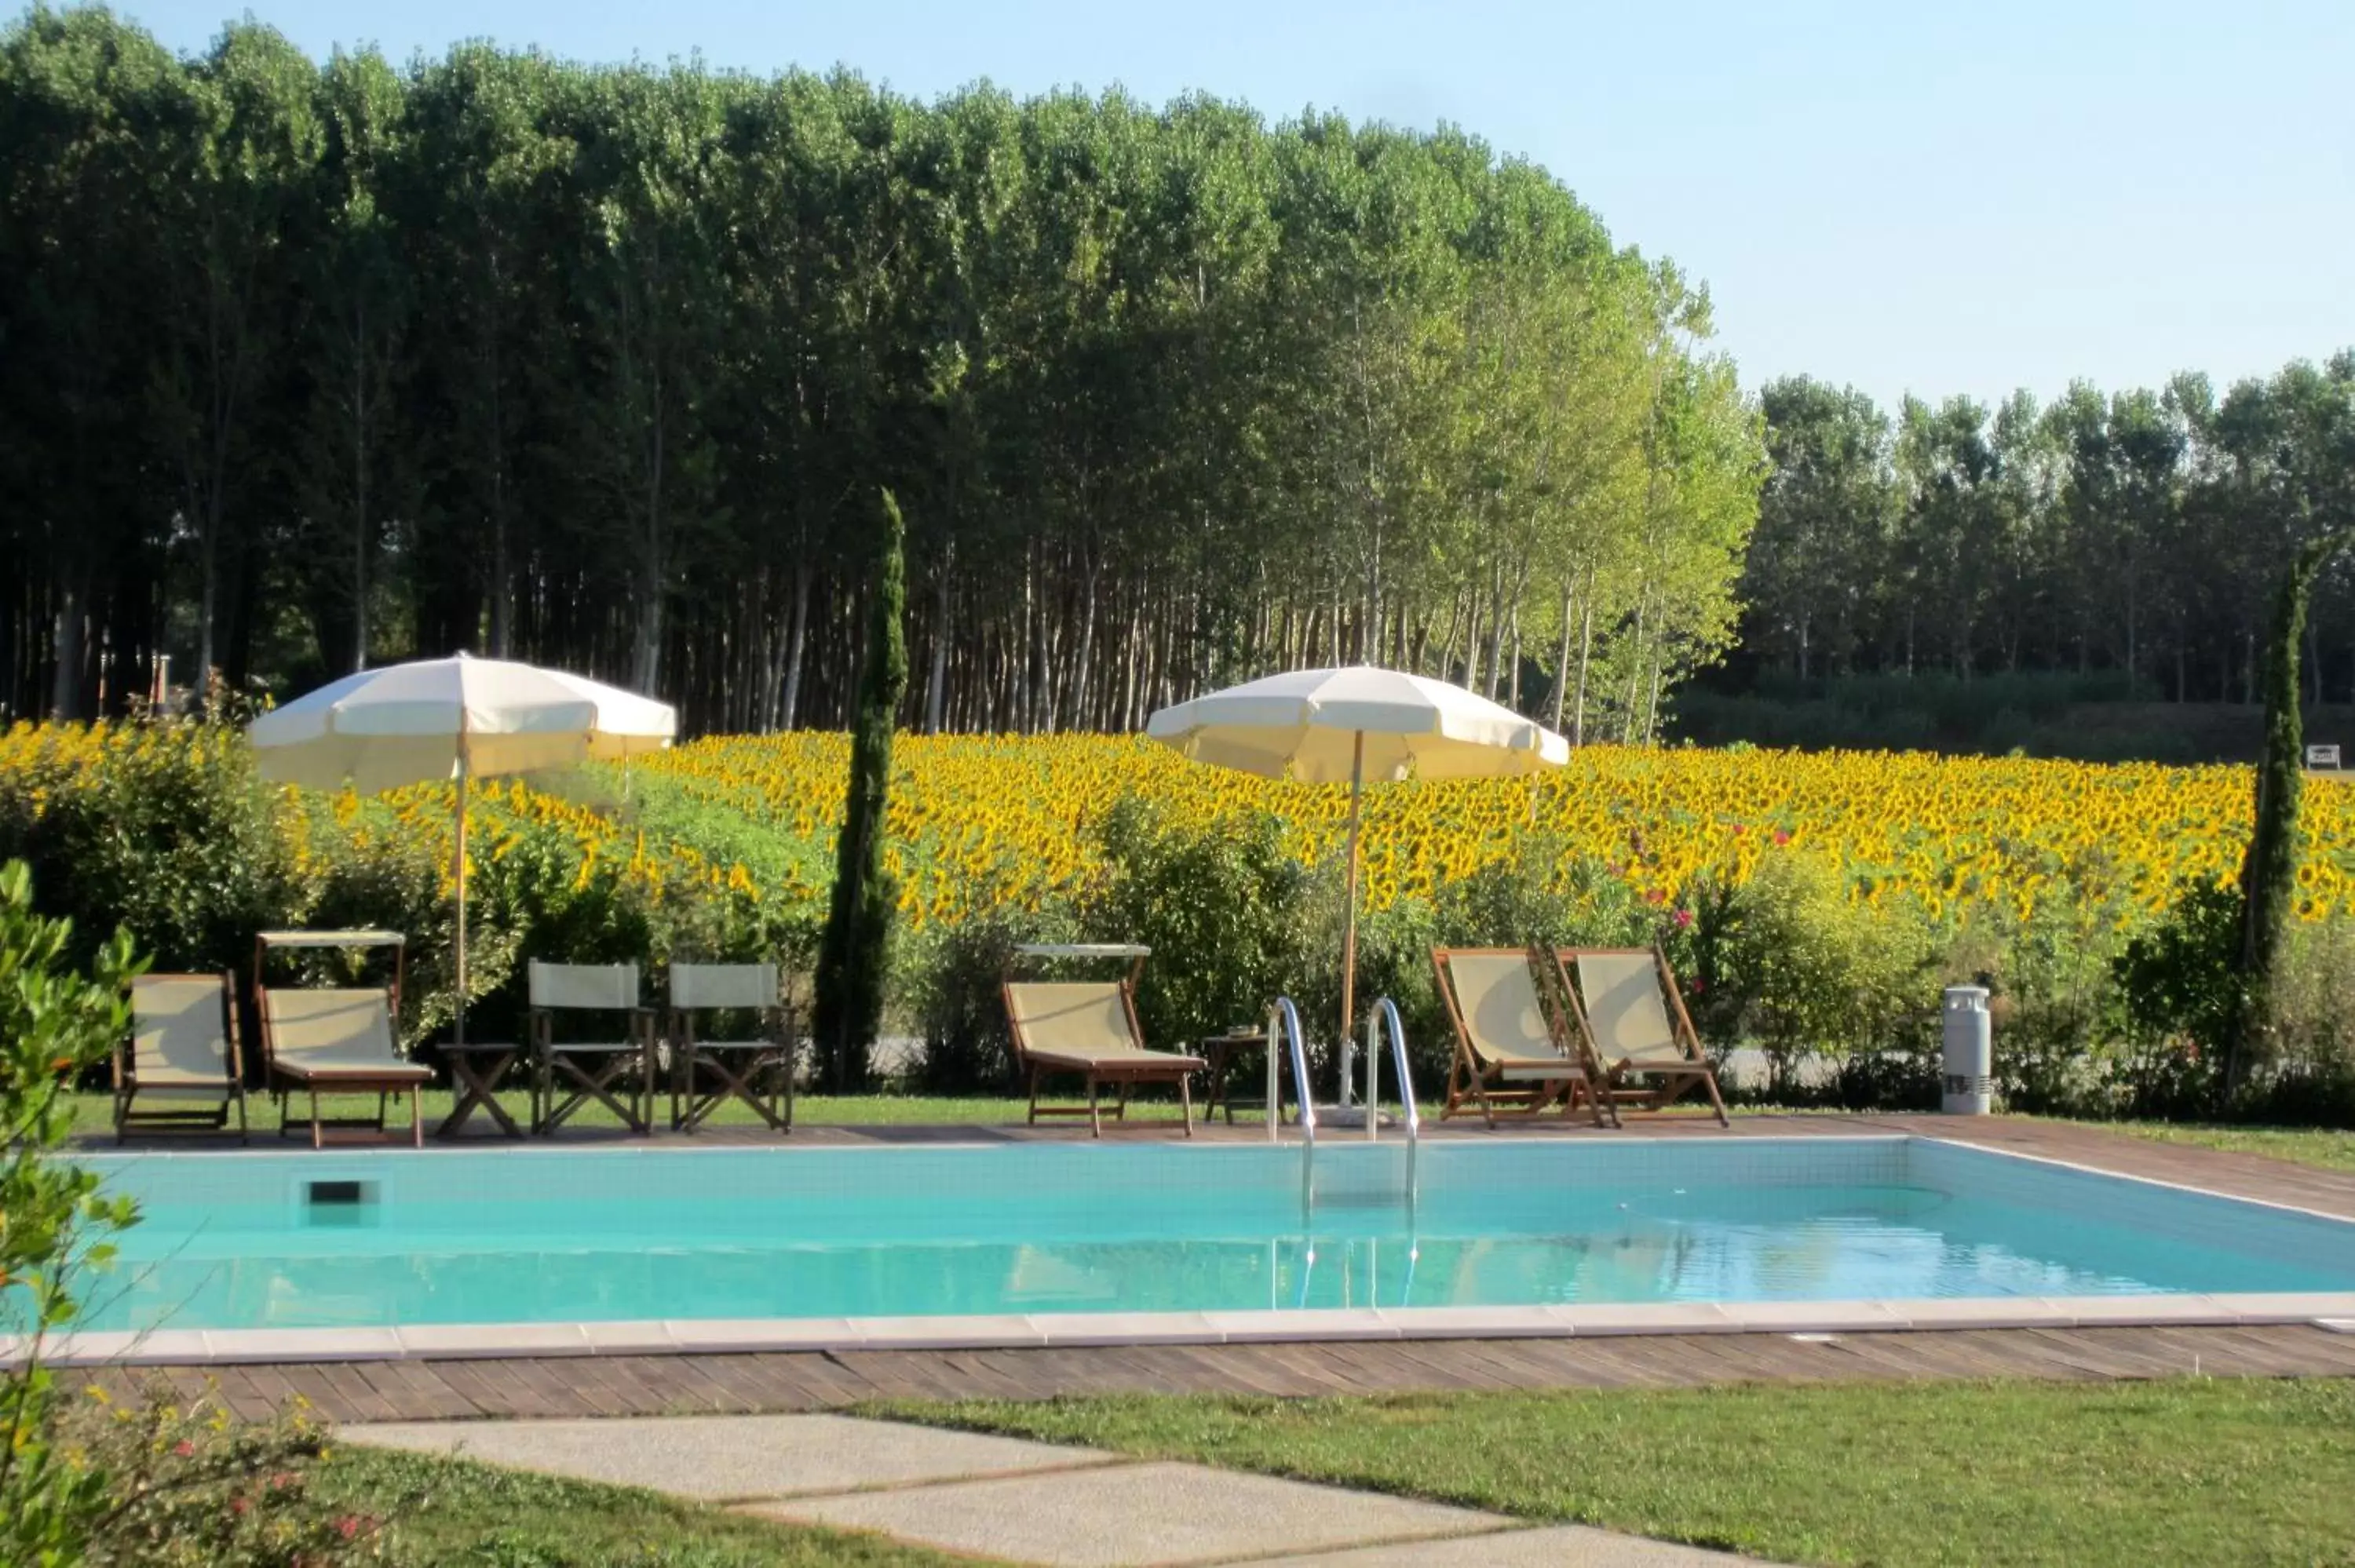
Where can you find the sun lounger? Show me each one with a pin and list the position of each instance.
(1513, 1054)
(1089, 1029)
(183, 1052)
(616, 1073)
(336, 1040)
(708, 1074)
(1623, 998)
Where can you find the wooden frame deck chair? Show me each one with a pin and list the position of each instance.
(1514, 1053)
(336, 1040)
(182, 1051)
(708, 1074)
(1089, 1029)
(1632, 1031)
(603, 1070)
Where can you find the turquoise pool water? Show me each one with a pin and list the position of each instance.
(529, 1235)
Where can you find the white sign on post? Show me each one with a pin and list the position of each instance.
(2322, 757)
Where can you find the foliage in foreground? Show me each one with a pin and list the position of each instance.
(2194, 1471)
(54, 1022)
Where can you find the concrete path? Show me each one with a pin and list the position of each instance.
(1017, 1501)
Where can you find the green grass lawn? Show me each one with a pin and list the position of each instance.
(2194, 1471)
(2329, 1148)
(454, 1512)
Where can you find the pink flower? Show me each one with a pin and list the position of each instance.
(1684, 917)
(1697, 988)
(238, 1506)
(347, 1526)
(185, 1449)
(1781, 838)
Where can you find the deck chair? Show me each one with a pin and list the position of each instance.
(616, 1073)
(708, 1074)
(1617, 999)
(182, 1051)
(337, 1041)
(1089, 1029)
(1513, 1053)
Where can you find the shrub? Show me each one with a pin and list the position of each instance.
(1807, 971)
(955, 975)
(53, 1023)
(1219, 905)
(2179, 985)
(165, 828)
(187, 1486)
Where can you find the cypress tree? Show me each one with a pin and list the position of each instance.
(2269, 868)
(848, 1008)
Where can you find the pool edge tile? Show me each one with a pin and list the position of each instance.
(475, 1342)
(1067, 1329)
(629, 1337)
(1810, 1317)
(1476, 1322)
(1933, 1314)
(2264, 1307)
(1646, 1317)
(1302, 1323)
(976, 1331)
(744, 1336)
(231, 1345)
(2145, 1311)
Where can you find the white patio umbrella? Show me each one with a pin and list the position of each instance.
(457, 718)
(1320, 726)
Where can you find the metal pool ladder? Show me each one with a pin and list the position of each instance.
(1284, 1042)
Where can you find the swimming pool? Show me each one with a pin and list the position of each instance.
(1050, 1232)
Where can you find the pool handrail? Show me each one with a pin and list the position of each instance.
(1382, 1019)
(1284, 1035)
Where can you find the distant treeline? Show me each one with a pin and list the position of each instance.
(2142, 534)
(303, 365)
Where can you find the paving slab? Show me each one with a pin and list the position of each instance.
(732, 1457)
(1559, 1546)
(1135, 1516)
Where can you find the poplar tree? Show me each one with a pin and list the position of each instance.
(851, 955)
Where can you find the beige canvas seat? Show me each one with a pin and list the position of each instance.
(336, 1040)
(1513, 1053)
(757, 1070)
(1088, 1029)
(615, 1070)
(1623, 998)
(183, 1053)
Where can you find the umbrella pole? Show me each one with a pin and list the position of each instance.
(460, 1034)
(1349, 920)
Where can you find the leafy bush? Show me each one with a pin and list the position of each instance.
(53, 1222)
(1219, 905)
(185, 1485)
(1803, 970)
(956, 973)
(164, 829)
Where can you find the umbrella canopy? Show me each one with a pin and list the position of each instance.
(439, 719)
(1322, 726)
(1329, 726)
(457, 718)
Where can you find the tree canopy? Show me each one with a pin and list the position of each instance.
(310, 366)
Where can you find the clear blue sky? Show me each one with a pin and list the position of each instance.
(1940, 198)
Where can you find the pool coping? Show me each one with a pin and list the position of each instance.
(469, 1342)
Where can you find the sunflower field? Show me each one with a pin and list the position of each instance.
(1910, 870)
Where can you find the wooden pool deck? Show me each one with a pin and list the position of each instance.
(429, 1389)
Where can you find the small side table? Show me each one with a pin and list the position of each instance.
(1219, 1050)
(477, 1068)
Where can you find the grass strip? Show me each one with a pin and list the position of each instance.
(457, 1511)
(2188, 1471)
